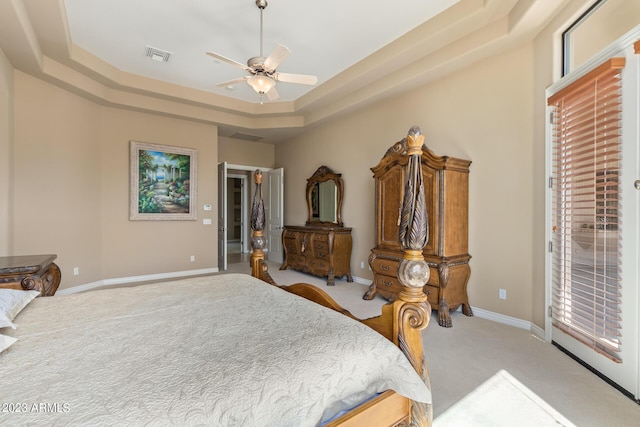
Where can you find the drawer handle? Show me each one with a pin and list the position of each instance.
(385, 283)
(322, 254)
(385, 267)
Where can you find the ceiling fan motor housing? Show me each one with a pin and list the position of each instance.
(256, 63)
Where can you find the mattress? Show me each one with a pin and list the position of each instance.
(224, 350)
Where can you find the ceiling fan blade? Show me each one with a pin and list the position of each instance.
(273, 94)
(302, 79)
(228, 61)
(234, 81)
(279, 54)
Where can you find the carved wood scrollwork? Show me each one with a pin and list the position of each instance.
(46, 284)
(413, 318)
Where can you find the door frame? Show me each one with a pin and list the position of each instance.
(222, 205)
(631, 232)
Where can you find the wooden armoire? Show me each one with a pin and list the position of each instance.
(446, 182)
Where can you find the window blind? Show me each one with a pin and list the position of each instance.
(586, 158)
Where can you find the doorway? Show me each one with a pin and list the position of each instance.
(237, 217)
(273, 207)
(593, 215)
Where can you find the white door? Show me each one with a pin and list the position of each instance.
(222, 216)
(582, 259)
(275, 215)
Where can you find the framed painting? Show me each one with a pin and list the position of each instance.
(163, 182)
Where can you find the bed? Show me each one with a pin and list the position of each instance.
(222, 350)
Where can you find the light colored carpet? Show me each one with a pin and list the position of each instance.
(501, 401)
(465, 356)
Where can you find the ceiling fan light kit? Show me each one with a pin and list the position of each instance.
(263, 76)
(261, 83)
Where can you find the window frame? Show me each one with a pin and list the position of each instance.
(566, 36)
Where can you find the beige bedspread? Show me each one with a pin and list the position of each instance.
(227, 350)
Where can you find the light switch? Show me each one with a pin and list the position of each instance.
(206, 221)
(207, 207)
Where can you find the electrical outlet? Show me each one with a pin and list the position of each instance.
(76, 271)
(502, 294)
(362, 265)
(193, 258)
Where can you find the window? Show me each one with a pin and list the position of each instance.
(599, 26)
(586, 144)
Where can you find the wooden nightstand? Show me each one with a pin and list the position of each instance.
(31, 272)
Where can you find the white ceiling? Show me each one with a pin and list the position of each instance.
(325, 37)
(362, 51)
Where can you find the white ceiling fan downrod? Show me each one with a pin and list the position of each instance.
(262, 4)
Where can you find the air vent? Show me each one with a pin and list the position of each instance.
(157, 54)
(245, 136)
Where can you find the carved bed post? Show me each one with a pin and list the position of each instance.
(258, 266)
(257, 225)
(412, 308)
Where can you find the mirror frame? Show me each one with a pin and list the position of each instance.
(322, 174)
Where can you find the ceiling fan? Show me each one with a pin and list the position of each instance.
(262, 71)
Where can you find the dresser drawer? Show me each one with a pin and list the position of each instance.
(320, 237)
(291, 245)
(388, 286)
(319, 266)
(433, 294)
(321, 249)
(385, 266)
(296, 261)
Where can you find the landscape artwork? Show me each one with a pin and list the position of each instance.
(163, 182)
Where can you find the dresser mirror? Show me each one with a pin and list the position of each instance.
(325, 190)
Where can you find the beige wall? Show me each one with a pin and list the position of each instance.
(71, 185)
(6, 154)
(156, 246)
(57, 206)
(246, 153)
(483, 113)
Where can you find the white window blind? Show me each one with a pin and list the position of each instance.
(586, 208)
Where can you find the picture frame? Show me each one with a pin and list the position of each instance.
(163, 182)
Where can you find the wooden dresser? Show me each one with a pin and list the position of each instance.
(322, 251)
(322, 246)
(446, 182)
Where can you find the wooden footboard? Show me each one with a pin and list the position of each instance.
(402, 320)
(387, 409)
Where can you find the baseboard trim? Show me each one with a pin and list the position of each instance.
(490, 315)
(135, 279)
(361, 281)
(511, 321)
